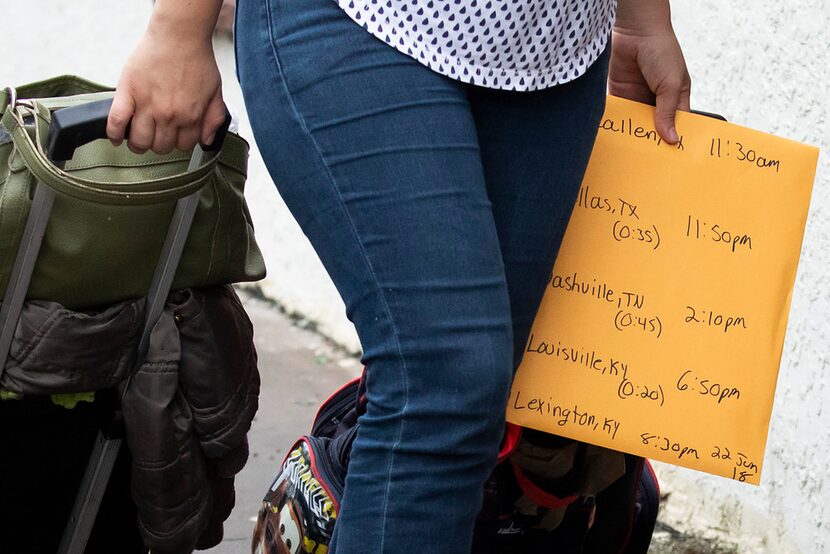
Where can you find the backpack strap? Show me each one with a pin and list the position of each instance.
(512, 435)
(537, 494)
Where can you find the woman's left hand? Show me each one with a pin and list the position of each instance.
(647, 63)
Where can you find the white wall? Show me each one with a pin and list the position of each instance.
(765, 64)
(762, 64)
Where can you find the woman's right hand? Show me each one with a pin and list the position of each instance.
(170, 89)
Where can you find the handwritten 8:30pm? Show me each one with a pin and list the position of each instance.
(743, 467)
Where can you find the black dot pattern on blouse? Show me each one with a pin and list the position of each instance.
(503, 44)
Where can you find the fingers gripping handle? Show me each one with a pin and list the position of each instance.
(73, 127)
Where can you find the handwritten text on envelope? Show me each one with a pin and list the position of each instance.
(662, 326)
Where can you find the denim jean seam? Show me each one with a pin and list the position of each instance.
(366, 261)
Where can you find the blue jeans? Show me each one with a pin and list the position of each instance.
(438, 209)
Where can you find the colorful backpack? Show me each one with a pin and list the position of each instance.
(546, 494)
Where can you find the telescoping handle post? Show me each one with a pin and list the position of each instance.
(70, 129)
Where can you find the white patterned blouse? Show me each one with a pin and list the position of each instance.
(503, 44)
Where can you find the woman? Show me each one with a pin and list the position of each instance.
(431, 150)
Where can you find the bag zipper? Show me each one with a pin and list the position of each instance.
(327, 475)
(336, 407)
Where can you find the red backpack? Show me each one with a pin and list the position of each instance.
(546, 494)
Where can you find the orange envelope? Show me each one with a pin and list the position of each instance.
(662, 326)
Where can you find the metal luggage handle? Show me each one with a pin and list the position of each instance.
(73, 127)
(39, 162)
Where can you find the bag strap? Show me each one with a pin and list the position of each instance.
(7, 96)
(53, 88)
(152, 191)
(538, 495)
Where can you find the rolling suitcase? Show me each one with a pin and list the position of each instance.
(71, 128)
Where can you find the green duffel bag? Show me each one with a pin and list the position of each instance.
(113, 207)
